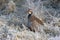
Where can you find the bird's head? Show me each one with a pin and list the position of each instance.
(30, 11)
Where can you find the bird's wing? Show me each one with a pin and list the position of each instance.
(38, 20)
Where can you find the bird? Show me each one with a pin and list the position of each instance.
(33, 21)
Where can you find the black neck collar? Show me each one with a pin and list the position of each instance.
(29, 15)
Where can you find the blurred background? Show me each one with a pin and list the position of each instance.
(13, 19)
